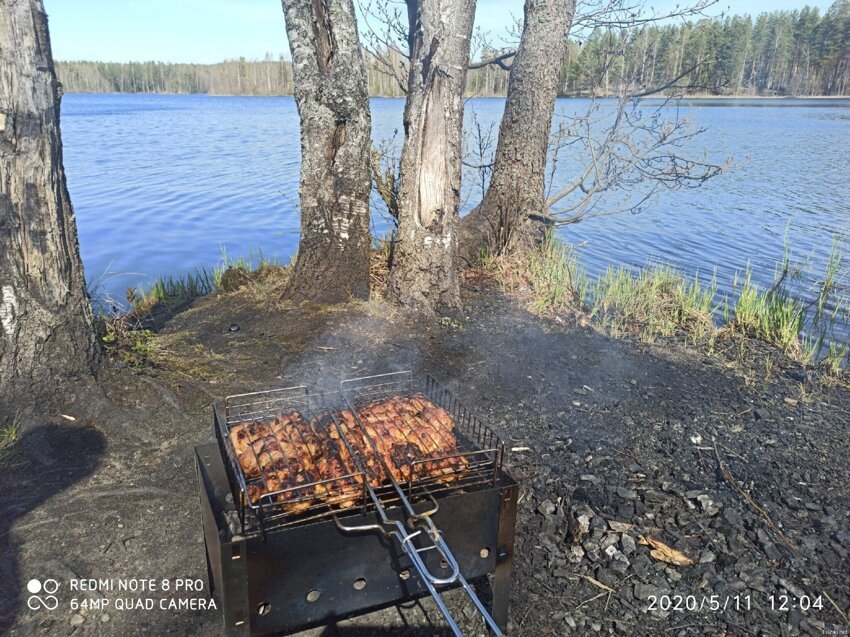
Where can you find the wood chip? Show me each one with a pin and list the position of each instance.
(67, 417)
(598, 584)
(520, 449)
(660, 551)
(620, 527)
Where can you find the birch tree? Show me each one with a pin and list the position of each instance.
(46, 324)
(424, 274)
(333, 104)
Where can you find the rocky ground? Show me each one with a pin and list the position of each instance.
(626, 453)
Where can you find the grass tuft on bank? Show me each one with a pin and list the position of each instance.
(659, 301)
(9, 435)
(229, 275)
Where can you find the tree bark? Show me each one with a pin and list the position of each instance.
(424, 276)
(46, 326)
(500, 223)
(333, 104)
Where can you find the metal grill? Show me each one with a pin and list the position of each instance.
(478, 459)
(361, 504)
(260, 408)
(476, 463)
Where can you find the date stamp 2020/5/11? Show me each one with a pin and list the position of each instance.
(721, 603)
(699, 603)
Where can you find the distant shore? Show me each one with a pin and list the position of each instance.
(698, 96)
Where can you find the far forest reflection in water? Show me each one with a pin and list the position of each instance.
(166, 184)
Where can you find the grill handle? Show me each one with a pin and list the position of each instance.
(359, 528)
(431, 581)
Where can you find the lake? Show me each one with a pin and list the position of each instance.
(164, 184)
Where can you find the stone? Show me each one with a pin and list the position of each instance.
(641, 565)
(772, 551)
(707, 557)
(709, 506)
(798, 375)
(607, 577)
(732, 516)
(627, 543)
(620, 564)
(643, 591)
(77, 619)
(626, 494)
(547, 507)
(796, 591)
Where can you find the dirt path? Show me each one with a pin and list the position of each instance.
(618, 443)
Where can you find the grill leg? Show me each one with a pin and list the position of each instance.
(504, 556)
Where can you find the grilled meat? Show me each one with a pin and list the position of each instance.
(300, 464)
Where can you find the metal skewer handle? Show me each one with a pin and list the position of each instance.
(405, 537)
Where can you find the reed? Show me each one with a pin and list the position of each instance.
(200, 282)
(653, 301)
(772, 315)
(659, 301)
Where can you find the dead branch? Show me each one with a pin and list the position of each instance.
(498, 60)
(727, 475)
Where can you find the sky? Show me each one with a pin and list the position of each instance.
(208, 31)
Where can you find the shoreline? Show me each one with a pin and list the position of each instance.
(502, 97)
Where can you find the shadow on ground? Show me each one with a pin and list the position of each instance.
(40, 465)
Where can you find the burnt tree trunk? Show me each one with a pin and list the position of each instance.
(46, 326)
(500, 223)
(424, 276)
(333, 103)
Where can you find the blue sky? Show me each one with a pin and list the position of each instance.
(213, 30)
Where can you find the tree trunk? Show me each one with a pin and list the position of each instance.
(46, 325)
(500, 223)
(424, 276)
(333, 103)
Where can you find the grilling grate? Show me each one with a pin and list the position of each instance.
(477, 445)
(415, 477)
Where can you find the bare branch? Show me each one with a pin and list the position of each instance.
(498, 60)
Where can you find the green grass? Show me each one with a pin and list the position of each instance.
(772, 315)
(557, 280)
(170, 288)
(659, 301)
(653, 301)
(9, 435)
(195, 284)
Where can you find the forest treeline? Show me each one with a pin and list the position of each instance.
(802, 52)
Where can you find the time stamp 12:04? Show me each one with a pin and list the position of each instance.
(720, 603)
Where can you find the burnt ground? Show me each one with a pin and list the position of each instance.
(615, 438)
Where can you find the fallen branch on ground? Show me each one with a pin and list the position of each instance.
(727, 475)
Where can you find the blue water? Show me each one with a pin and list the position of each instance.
(164, 184)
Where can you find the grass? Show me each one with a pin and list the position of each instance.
(9, 435)
(659, 301)
(136, 347)
(126, 339)
(654, 301)
(227, 276)
(557, 280)
(650, 302)
(772, 315)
